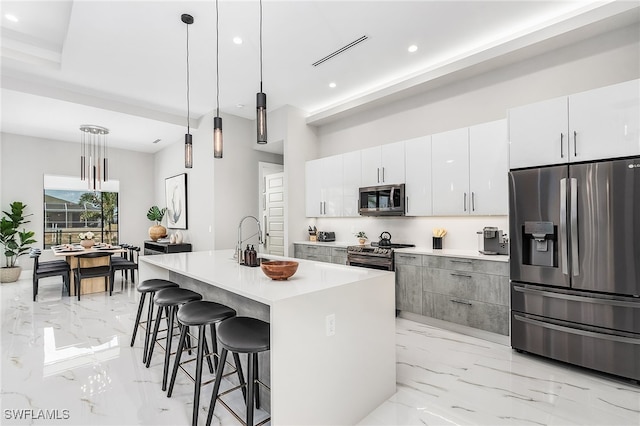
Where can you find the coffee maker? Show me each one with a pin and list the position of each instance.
(491, 240)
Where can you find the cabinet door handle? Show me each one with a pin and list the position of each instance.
(460, 302)
(473, 201)
(575, 143)
(561, 145)
(461, 275)
(407, 206)
(465, 202)
(378, 174)
(383, 175)
(461, 261)
(404, 256)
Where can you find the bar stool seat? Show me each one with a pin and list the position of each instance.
(170, 298)
(199, 314)
(241, 335)
(148, 287)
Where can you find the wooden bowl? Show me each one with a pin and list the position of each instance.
(279, 270)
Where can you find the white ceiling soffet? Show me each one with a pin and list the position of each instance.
(121, 64)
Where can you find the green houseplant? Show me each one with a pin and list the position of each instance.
(361, 236)
(156, 214)
(14, 241)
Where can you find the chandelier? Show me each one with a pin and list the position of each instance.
(94, 163)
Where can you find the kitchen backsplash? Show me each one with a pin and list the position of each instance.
(461, 231)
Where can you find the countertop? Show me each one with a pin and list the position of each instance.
(220, 269)
(467, 254)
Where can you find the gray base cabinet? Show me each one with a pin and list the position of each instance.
(470, 292)
(321, 253)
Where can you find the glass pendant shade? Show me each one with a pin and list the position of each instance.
(188, 151)
(217, 137)
(261, 119)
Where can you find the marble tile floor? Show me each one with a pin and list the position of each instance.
(72, 361)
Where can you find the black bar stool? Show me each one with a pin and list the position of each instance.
(148, 287)
(241, 335)
(199, 314)
(170, 298)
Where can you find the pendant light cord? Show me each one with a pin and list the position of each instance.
(188, 109)
(260, 45)
(217, 62)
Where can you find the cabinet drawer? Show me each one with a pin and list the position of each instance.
(484, 316)
(311, 249)
(408, 259)
(467, 285)
(469, 265)
(317, 257)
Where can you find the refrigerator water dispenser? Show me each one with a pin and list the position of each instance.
(540, 244)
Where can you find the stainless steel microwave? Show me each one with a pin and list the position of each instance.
(382, 200)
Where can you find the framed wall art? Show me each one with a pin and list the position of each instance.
(176, 196)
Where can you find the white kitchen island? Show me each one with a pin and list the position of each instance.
(316, 376)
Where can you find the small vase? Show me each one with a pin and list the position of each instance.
(178, 237)
(87, 243)
(157, 231)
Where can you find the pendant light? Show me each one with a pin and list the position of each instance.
(217, 120)
(94, 163)
(188, 140)
(261, 98)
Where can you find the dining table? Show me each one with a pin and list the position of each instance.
(70, 253)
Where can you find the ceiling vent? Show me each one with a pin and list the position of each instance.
(341, 50)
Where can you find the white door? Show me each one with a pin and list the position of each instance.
(351, 183)
(392, 163)
(539, 134)
(450, 172)
(274, 214)
(370, 160)
(489, 168)
(418, 175)
(313, 188)
(604, 122)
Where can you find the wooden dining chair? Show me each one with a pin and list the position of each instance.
(87, 268)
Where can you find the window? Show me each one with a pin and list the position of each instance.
(70, 210)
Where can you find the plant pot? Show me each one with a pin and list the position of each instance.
(362, 241)
(10, 274)
(87, 243)
(157, 231)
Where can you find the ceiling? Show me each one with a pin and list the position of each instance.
(122, 64)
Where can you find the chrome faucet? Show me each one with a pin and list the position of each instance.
(239, 253)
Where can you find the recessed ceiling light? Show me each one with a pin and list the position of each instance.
(237, 40)
(332, 85)
(412, 48)
(11, 17)
(239, 105)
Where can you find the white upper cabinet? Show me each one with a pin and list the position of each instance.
(351, 183)
(489, 168)
(450, 172)
(323, 187)
(604, 123)
(538, 133)
(418, 177)
(592, 125)
(383, 165)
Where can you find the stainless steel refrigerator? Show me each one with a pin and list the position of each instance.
(575, 264)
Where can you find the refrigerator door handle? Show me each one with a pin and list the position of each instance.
(575, 265)
(564, 255)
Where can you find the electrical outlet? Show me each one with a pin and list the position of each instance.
(330, 323)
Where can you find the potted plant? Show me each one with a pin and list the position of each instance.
(362, 237)
(14, 242)
(156, 231)
(86, 239)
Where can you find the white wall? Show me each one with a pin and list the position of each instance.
(219, 191)
(607, 59)
(25, 160)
